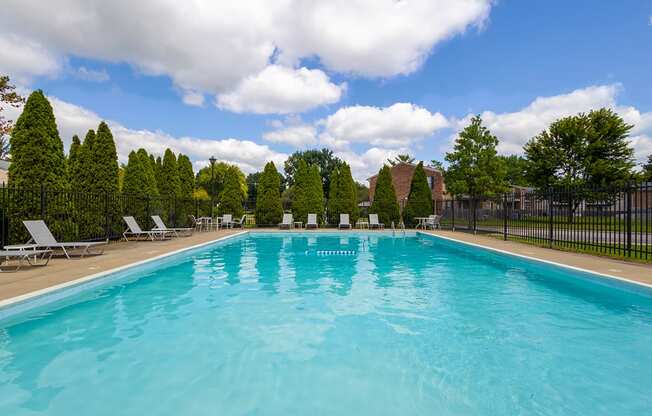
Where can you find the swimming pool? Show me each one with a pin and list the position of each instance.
(325, 323)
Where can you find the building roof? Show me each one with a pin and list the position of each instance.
(426, 168)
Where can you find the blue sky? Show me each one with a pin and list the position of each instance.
(519, 63)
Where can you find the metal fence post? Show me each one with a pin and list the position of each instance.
(628, 201)
(505, 216)
(550, 212)
(453, 213)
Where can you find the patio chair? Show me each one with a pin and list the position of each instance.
(312, 221)
(288, 221)
(160, 225)
(227, 221)
(373, 222)
(133, 229)
(43, 239)
(344, 221)
(241, 222)
(432, 222)
(196, 222)
(33, 257)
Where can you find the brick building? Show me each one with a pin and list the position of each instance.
(402, 178)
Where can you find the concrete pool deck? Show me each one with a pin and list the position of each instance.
(32, 280)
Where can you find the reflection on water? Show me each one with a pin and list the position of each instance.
(405, 326)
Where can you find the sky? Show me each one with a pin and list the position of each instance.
(253, 81)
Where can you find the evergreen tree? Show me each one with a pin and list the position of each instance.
(342, 198)
(301, 192)
(136, 176)
(73, 163)
(86, 165)
(232, 195)
(316, 193)
(105, 162)
(268, 196)
(169, 185)
(385, 203)
(151, 187)
(419, 203)
(158, 172)
(186, 205)
(647, 169)
(36, 148)
(186, 176)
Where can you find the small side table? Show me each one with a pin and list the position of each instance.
(362, 224)
(298, 224)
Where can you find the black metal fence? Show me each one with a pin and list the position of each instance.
(84, 216)
(612, 221)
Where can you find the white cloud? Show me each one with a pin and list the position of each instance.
(215, 47)
(395, 126)
(296, 134)
(515, 129)
(23, 58)
(193, 98)
(281, 90)
(92, 75)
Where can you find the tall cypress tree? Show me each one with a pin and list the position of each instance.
(36, 149)
(158, 172)
(268, 196)
(419, 203)
(105, 160)
(86, 166)
(169, 184)
(136, 178)
(151, 187)
(301, 192)
(186, 176)
(342, 197)
(232, 196)
(73, 163)
(316, 193)
(385, 203)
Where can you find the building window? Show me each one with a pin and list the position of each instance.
(431, 182)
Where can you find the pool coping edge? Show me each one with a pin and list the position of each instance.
(31, 296)
(536, 259)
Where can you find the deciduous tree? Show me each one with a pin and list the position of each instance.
(8, 96)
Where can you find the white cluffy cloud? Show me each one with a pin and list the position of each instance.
(281, 90)
(396, 126)
(225, 47)
(515, 129)
(92, 75)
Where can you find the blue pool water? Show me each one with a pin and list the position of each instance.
(287, 325)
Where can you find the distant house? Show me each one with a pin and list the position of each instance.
(402, 179)
(4, 171)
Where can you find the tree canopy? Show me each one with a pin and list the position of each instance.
(419, 203)
(268, 196)
(404, 158)
(515, 170)
(474, 166)
(583, 150)
(73, 163)
(342, 198)
(647, 169)
(323, 159)
(170, 185)
(233, 194)
(385, 203)
(186, 176)
(203, 179)
(36, 148)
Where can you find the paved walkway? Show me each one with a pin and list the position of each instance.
(622, 269)
(117, 254)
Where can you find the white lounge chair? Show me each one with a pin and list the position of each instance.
(43, 238)
(227, 221)
(344, 221)
(160, 225)
(33, 257)
(241, 222)
(133, 229)
(288, 221)
(432, 222)
(373, 222)
(312, 221)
